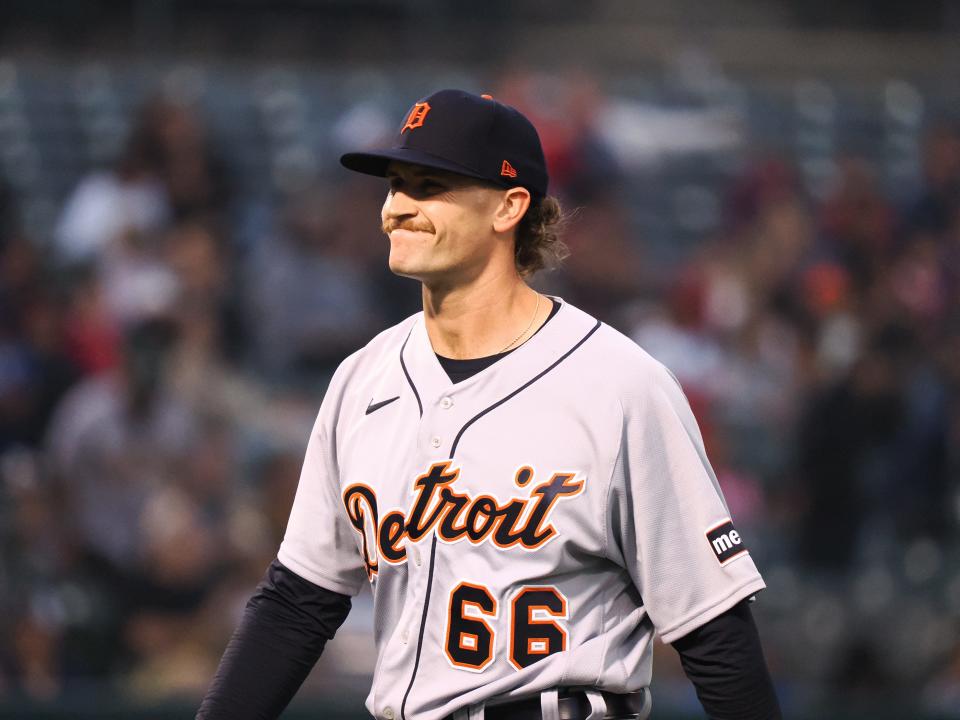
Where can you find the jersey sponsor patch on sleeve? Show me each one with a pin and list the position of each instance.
(725, 542)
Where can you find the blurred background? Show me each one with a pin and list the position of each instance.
(768, 200)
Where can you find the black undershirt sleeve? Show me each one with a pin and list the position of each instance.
(724, 661)
(282, 633)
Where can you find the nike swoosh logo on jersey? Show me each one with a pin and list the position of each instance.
(373, 407)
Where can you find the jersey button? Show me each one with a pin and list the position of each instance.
(416, 556)
(446, 403)
(404, 636)
(435, 441)
(388, 713)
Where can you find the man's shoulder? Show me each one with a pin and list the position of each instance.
(611, 349)
(625, 367)
(384, 347)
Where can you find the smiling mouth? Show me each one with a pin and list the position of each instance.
(408, 232)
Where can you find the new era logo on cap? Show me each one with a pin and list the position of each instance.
(465, 134)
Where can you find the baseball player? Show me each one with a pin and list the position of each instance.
(524, 489)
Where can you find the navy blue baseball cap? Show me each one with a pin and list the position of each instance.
(472, 135)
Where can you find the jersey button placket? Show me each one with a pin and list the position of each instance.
(445, 403)
(439, 420)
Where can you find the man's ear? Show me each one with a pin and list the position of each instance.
(513, 205)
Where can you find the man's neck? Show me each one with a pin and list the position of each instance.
(483, 317)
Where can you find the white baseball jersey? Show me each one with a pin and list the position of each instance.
(527, 528)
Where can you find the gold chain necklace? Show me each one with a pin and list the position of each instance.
(526, 330)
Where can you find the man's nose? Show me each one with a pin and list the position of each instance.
(397, 205)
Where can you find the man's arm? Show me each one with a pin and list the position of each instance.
(724, 660)
(284, 628)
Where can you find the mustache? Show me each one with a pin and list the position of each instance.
(388, 226)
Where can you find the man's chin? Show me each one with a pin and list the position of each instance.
(406, 269)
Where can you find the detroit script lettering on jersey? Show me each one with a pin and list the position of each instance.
(437, 507)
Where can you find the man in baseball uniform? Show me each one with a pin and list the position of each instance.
(524, 489)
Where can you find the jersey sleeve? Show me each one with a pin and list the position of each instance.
(669, 524)
(318, 544)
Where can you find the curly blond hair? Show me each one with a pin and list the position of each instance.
(538, 237)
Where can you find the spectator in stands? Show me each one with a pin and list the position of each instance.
(309, 297)
(933, 210)
(114, 438)
(92, 334)
(35, 370)
(34, 562)
(167, 170)
(872, 456)
(858, 222)
(179, 565)
(118, 206)
(194, 174)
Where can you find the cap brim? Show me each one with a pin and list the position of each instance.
(377, 161)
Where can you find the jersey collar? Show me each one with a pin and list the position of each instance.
(553, 339)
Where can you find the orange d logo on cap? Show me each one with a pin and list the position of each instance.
(416, 117)
(467, 135)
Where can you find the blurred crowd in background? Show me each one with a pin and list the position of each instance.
(165, 343)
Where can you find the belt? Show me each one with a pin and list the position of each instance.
(574, 705)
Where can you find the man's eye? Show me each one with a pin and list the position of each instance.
(423, 186)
